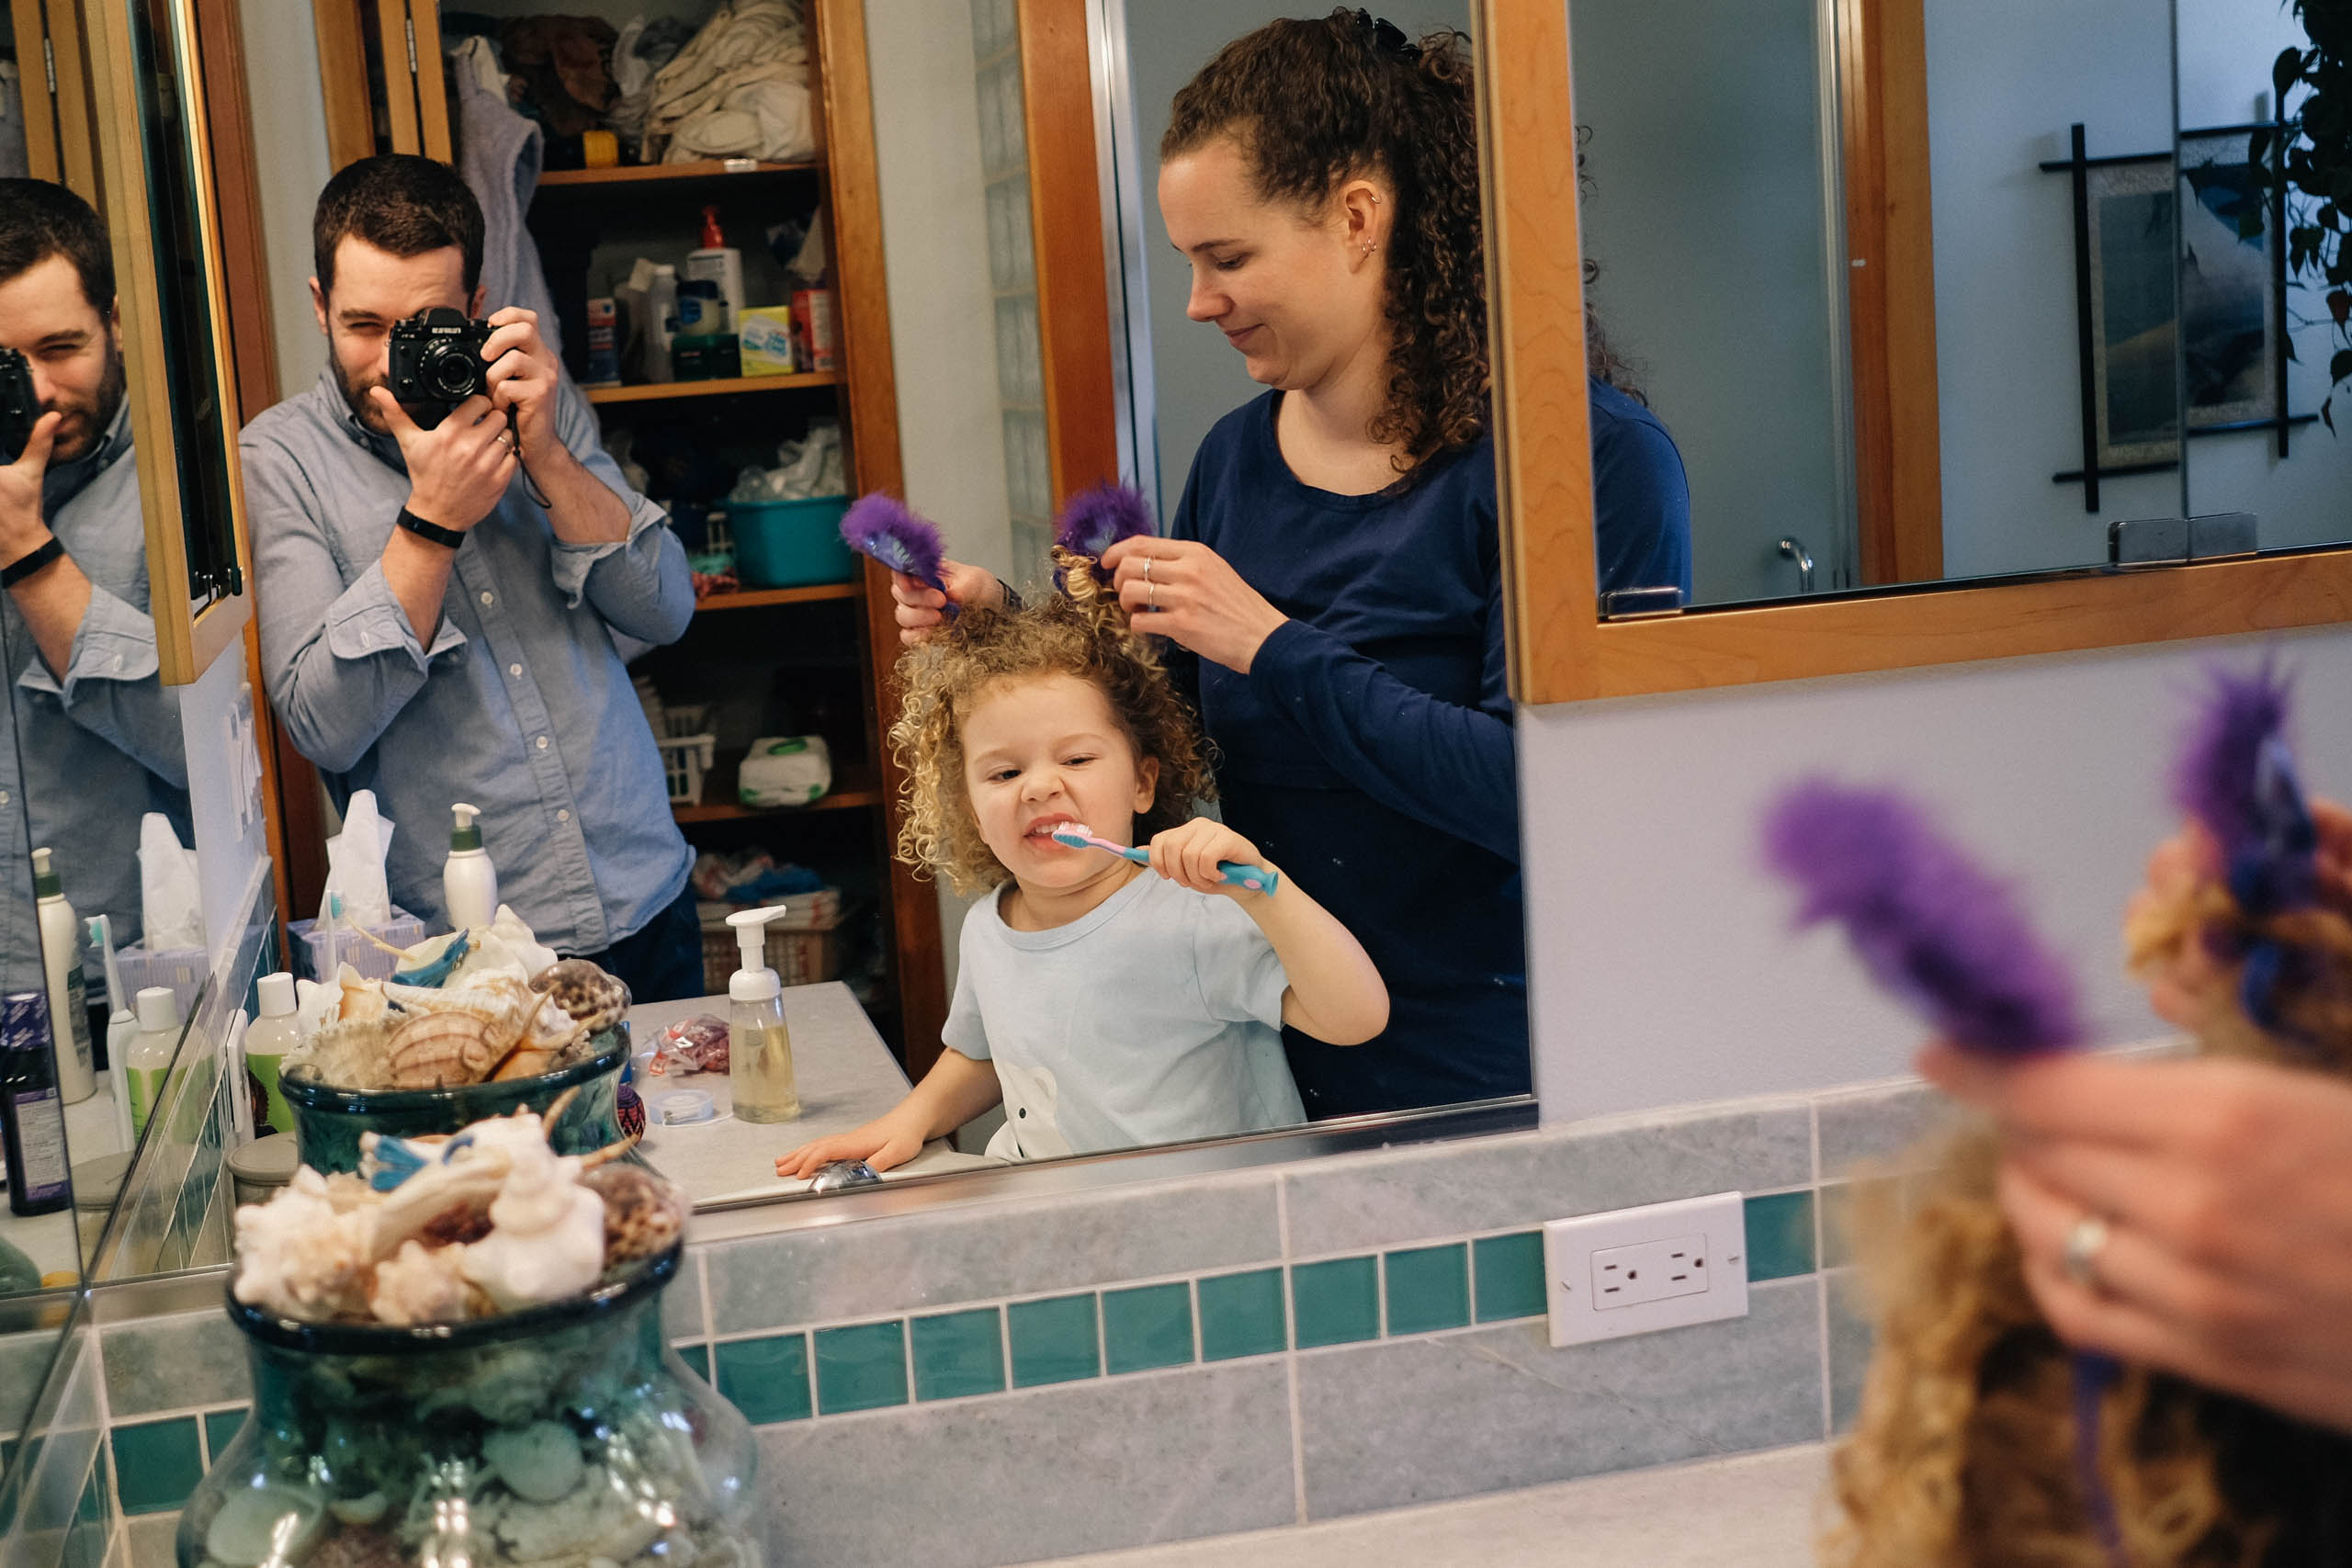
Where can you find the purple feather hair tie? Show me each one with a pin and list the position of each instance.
(880, 525)
(2237, 777)
(1098, 517)
(1930, 924)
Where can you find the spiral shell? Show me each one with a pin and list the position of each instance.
(595, 999)
(445, 1049)
(643, 1214)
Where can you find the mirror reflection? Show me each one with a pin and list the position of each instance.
(94, 805)
(1897, 335)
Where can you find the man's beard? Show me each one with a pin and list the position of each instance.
(86, 423)
(355, 393)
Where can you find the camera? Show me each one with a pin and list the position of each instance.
(437, 357)
(19, 405)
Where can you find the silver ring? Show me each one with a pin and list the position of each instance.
(2085, 1241)
(1147, 569)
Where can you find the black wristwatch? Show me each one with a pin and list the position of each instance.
(432, 532)
(31, 561)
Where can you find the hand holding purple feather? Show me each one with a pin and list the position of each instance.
(879, 526)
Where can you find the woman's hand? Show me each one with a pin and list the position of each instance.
(1190, 851)
(2226, 1187)
(1183, 589)
(882, 1142)
(922, 609)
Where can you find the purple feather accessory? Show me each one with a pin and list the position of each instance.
(1939, 931)
(880, 525)
(1930, 924)
(1100, 516)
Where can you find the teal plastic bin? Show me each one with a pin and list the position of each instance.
(790, 543)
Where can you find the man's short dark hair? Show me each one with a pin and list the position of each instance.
(38, 220)
(402, 204)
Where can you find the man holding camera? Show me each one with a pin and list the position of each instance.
(96, 741)
(442, 575)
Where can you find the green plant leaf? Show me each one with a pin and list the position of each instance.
(2286, 71)
(2339, 366)
(2339, 305)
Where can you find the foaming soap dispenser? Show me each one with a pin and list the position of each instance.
(469, 882)
(759, 1048)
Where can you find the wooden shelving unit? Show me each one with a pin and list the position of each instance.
(757, 598)
(638, 173)
(658, 391)
(855, 787)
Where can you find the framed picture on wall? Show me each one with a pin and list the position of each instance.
(2228, 309)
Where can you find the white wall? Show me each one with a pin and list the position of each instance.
(1663, 967)
(224, 798)
(291, 149)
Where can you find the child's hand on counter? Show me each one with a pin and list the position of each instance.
(882, 1142)
(1189, 854)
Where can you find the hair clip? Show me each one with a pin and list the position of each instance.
(1389, 38)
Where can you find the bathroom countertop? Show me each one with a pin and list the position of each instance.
(1746, 1511)
(845, 1074)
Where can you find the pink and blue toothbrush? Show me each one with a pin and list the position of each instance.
(1259, 879)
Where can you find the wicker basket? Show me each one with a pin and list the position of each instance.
(804, 944)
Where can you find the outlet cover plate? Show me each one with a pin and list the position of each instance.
(1594, 1259)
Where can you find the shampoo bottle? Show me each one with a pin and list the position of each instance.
(721, 263)
(148, 1061)
(275, 1031)
(759, 1048)
(32, 1117)
(469, 882)
(61, 958)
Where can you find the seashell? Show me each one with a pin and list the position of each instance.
(595, 999)
(539, 1463)
(348, 1053)
(442, 1050)
(419, 1286)
(360, 1510)
(525, 1063)
(643, 1214)
(270, 1523)
(503, 1002)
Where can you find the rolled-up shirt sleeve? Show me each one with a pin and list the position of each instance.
(340, 660)
(112, 688)
(642, 586)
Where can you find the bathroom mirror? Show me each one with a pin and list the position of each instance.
(42, 1340)
(2208, 590)
(1847, 260)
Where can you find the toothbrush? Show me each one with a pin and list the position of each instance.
(122, 1025)
(1078, 836)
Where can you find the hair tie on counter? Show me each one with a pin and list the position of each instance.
(685, 1107)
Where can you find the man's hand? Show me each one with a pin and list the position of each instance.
(22, 528)
(459, 470)
(524, 376)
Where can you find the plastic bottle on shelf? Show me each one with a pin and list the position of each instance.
(469, 882)
(61, 959)
(759, 1048)
(661, 313)
(721, 263)
(274, 1031)
(148, 1066)
(32, 1116)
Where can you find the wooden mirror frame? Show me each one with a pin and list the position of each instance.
(1560, 649)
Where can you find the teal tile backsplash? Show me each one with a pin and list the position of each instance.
(861, 1368)
(1510, 1275)
(1429, 1288)
(156, 1464)
(958, 1354)
(1053, 1340)
(221, 1429)
(767, 1378)
(1336, 1303)
(1780, 1236)
(1241, 1314)
(1148, 1327)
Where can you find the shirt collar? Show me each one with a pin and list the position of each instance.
(63, 481)
(336, 410)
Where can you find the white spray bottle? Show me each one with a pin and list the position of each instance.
(61, 956)
(759, 1048)
(469, 882)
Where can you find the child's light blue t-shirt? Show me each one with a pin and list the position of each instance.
(1154, 1017)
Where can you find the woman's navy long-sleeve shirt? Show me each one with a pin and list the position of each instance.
(1370, 751)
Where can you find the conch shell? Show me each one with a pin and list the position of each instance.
(595, 999)
(442, 1050)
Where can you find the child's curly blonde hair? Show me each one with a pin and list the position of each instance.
(1964, 1452)
(1080, 632)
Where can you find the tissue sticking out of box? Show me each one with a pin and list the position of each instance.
(170, 907)
(356, 863)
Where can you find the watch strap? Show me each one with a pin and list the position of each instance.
(448, 537)
(31, 561)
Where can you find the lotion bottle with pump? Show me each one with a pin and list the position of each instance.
(759, 1048)
(721, 263)
(469, 882)
(61, 957)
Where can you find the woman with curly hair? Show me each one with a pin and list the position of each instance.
(1105, 1005)
(1332, 573)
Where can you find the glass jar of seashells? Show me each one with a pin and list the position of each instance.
(449, 1368)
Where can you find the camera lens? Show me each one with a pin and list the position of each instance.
(450, 376)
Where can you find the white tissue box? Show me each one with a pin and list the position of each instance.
(403, 930)
(181, 968)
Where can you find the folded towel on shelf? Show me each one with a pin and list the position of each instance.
(738, 90)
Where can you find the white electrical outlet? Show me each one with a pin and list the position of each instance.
(1634, 1270)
